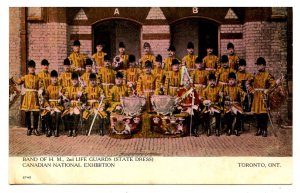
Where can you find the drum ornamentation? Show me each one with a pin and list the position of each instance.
(163, 104)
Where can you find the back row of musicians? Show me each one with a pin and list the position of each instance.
(87, 87)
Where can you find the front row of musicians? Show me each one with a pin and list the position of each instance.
(76, 99)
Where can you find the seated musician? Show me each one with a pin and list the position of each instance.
(73, 110)
(94, 95)
(115, 94)
(234, 97)
(53, 106)
(212, 95)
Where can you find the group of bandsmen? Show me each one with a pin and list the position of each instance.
(205, 87)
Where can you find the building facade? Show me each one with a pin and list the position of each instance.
(48, 32)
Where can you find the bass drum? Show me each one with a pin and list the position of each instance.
(124, 126)
(169, 125)
(163, 104)
(133, 106)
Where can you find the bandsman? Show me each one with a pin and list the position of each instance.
(106, 76)
(262, 82)
(147, 85)
(173, 79)
(30, 102)
(171, 56)
(75, 97)
(98, 57)
(189, 59)
(212, 96)
(65, 78)
(210, 61)
(223, 72)
(159, 73)
(94, 95)
(44, 76)
(120, 62)
(199, 77)
(116, 92)
(53, 105)
(147, 56)
(85, 78)
(76, 58)
(234, 97)
(233, 58)
(244, 78)
(132, 75)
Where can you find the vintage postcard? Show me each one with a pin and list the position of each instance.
(150, 95)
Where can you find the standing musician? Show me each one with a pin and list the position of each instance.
(94, 94)
(77, 59)
(98, 57)
(147, 56)
(147, 85)
(173, 79)
(189, 59)
(30, 102)
(233, 58)
(243, 78)
(44, 76)
(85, 78)
(199, 77)
(159, 73)
(132, 75)
(106, 76)
(120, 62)
(64, 78)
(234, 97)
(210, 61)
(53, 107)
(171, 56)
(223, 72)
(72, 112)
(262, 82)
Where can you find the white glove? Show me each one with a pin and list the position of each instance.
(48, 108)
(118, 107)
(79, 93)
(40, 91)
(266, 91)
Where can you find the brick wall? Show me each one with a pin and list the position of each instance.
(239, 44)
(158, 45)
(14, 58)
(47, 40)
(269, 40)
(156, 31)
(187, 31)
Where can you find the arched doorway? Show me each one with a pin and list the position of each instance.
(199, 31)
(113, 31)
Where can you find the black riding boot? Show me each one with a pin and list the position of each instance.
(35, 123)
(28, 123)
(48, 121)
(218, 123)
(76, 122)
(207, 124)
